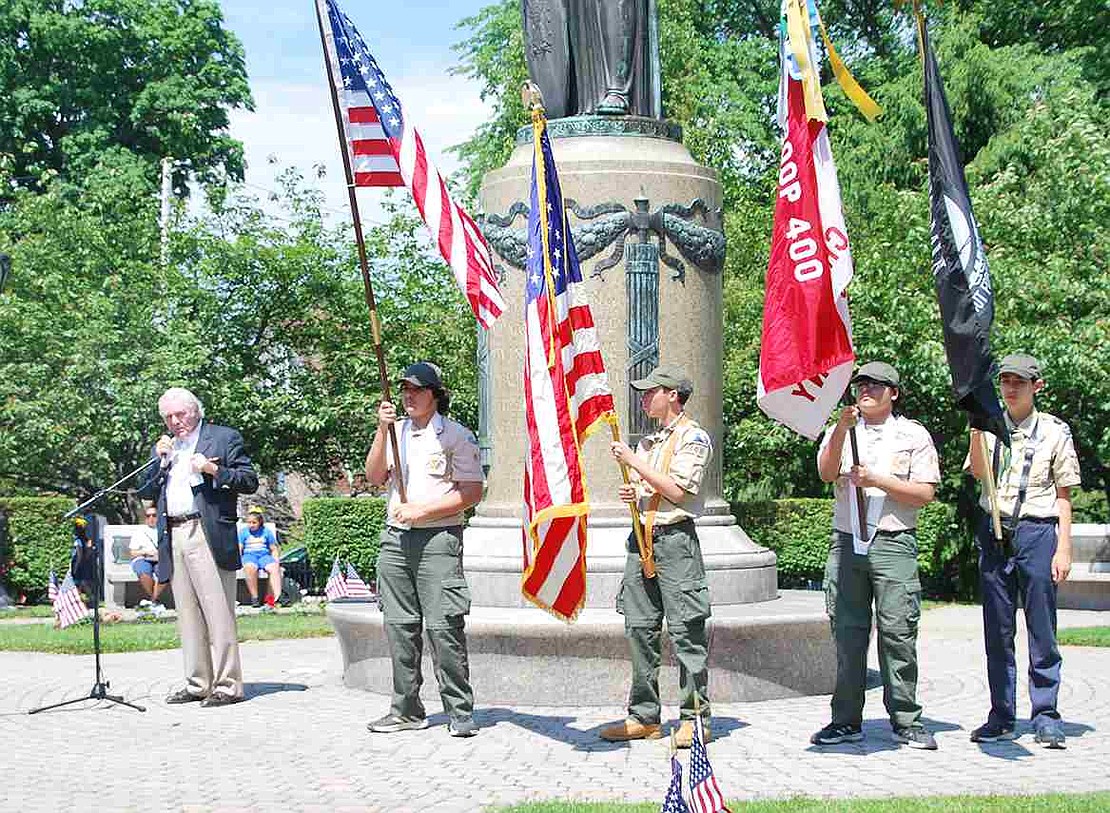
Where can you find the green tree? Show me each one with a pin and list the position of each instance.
(153, 77)
(262, 315)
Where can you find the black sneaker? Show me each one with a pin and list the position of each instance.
(993, 732)
(836, 733)
(391, 724)
(256, 602)
(1050, 734)
(462, 727)
(915, 737)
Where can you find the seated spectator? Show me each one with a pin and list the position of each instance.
(144, 558)
(259, 550)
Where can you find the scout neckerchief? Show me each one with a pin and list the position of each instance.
(664, 467)
(1026, 465)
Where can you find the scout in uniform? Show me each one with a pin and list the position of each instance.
(897, 474)
(1035, 477)
(420, 571)
(667, 469)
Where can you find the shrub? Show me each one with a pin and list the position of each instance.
(35, 542)
(798, 531)
(347, 527)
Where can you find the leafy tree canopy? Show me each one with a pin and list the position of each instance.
(81, 77)
(261, 315)
(1027, 83)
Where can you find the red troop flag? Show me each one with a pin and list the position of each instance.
(386, 150)
(806, 355)
(566, 396)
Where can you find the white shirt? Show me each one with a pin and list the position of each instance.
(182, 478)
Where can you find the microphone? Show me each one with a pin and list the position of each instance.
(167, 460)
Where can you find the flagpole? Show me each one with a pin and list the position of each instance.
(368, 288)
(647, 554)
(990, 487)
(861, 511)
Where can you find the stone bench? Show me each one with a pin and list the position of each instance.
(121, 585)
(1088, 585)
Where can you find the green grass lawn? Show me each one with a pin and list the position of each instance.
(33, 611)
(1057, 803)
(1085, 636)
(138, 636)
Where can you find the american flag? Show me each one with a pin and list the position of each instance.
(356, 587)
(566, 395)
(672, 802)
(704, 792)
(337, 585)
(68, 606)
(385, 150)
(52, 588)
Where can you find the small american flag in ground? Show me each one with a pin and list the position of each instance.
(356, 587)
(52, 588)
(68, 606)
(337, 585)
(385, 150)
(672, 802)
(566, 396)
(704, 792)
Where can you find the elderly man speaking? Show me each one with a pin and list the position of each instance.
(203, 471)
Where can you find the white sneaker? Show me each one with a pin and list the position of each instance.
(144, 602)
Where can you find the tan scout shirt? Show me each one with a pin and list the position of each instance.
(897, 446)
(691, 454)
(1054, 463)
(433, 459)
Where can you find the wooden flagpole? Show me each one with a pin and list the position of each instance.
(368, 288)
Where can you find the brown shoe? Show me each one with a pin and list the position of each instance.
(631, 729)
(684, 734)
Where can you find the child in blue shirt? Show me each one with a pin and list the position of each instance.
(258, 548)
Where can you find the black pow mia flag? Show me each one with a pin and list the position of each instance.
(960, 269)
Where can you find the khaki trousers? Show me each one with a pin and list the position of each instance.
(205, 599)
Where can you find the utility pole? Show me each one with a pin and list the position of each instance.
(164, 220)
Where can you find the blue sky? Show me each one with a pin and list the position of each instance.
(293, 120)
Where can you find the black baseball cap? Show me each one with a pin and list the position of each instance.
(423, 374)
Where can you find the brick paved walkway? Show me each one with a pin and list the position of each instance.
(303, 722)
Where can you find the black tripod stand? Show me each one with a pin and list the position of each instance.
(99, 690)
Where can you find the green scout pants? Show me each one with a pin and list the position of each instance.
(420, 579)
(887, 575)
(680, 592)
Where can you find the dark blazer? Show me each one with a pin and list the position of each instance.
(216, 498)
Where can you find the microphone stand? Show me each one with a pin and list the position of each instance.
(99, 690)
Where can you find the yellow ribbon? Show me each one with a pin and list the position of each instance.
(799, 36)
(852, 89)
(800, 41)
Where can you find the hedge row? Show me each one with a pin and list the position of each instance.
(34, 539)
(342, 527)
(798, 531)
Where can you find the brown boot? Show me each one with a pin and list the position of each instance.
(684, 734)
(631, 729)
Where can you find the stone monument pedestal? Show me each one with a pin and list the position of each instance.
(645, 220)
